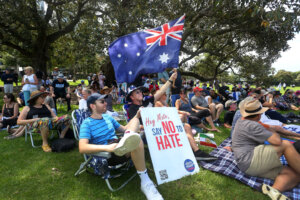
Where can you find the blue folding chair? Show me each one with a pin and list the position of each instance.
(125, 111)
(100, 159)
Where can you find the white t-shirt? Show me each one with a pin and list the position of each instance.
(83, 104)
(264, 119)
(29, 87)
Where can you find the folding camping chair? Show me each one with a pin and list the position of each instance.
(106, 171)
(125, 108)
(30, 131)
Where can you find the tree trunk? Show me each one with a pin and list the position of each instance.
(109, 73)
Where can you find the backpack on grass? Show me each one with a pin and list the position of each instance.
(62, 145)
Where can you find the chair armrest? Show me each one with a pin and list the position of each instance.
(103, 154)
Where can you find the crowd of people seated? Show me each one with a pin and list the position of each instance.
(198, 105)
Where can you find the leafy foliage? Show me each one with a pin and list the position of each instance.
(224, 33)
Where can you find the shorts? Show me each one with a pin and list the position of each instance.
(52, 123)
(197, 117)
(100, 164)
(265, 162)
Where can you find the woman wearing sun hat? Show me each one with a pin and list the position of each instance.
(106, 90)
(42, 118)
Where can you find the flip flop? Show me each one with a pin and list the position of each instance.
(46, 148)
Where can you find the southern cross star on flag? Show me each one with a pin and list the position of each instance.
(147, 51)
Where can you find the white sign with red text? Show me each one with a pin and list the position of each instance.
(170, 150)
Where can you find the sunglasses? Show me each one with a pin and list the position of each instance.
(101, 101)
(138, 91)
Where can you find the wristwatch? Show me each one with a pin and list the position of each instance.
(170, 81)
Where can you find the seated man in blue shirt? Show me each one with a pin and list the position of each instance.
(97, 133)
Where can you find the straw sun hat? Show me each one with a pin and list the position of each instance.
(251, 107)
(36, 94)
(105, 88)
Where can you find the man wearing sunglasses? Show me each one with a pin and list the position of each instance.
(98, 133)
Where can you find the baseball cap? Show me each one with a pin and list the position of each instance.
(229, 103)
(197, 89)
(93, 98)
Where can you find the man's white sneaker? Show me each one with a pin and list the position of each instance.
(151, 192)
(128, 143)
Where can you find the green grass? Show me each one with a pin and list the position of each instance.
(29, 173)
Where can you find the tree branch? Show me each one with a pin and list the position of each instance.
(54, 36)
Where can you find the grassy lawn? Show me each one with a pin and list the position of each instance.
(29, 173)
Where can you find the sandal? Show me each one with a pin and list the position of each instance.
(9, 137)
(46, 148)
(273, 193)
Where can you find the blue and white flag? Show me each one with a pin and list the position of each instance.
(148, 51)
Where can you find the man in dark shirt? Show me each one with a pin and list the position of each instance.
(222, 91)
(175, 88)
(230, 105)
(58, 90)
(8, 80)
(137, 100)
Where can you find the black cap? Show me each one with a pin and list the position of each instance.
(93, 98)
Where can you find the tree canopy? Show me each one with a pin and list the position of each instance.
(218, 36)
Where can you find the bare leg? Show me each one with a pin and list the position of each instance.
(138, 157)
(290, 153)
(204, 127)
(190, 137)
(133, 125)
(63, 132)
(19, 132)
(286, 179)
(293, 107)
(209, 119)
(219, 108)
(44, 133)
(212, 108)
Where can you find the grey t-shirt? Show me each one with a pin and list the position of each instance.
(246, 136)
(49, 100)
(199, 101)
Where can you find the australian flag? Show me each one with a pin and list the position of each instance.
(148, 51)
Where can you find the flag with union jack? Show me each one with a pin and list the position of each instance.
(147, 51)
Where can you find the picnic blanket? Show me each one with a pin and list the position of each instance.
(227, 165)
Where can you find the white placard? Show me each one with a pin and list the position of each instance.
(171, 154)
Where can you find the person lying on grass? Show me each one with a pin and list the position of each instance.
(98, 133)
(40, 117)
(255, 158)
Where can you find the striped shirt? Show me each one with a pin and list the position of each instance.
(99, 131)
